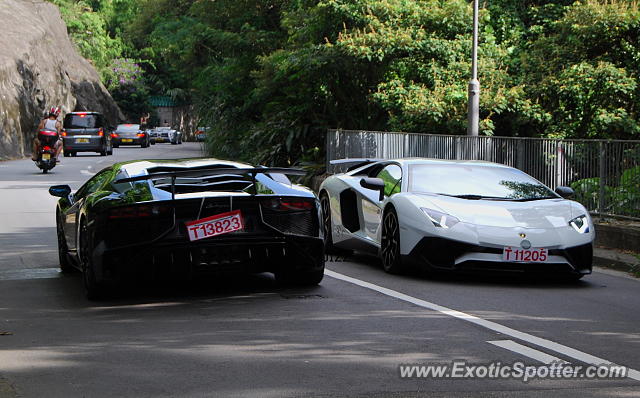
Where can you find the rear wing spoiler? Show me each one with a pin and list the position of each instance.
(201, 172)
(353, 163)
(211, 171)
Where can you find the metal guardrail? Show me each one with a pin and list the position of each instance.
(604, 173)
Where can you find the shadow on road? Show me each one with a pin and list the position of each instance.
(29, 248)
(515, 279)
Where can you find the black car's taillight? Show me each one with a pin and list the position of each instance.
(291, 215)
(131, 224)
(138, 211)
(288, 204)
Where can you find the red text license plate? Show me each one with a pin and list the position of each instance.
(533, 255)
(215, 225)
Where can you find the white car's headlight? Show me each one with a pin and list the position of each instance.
(580, 224)
(440, 219)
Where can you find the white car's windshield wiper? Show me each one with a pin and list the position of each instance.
(475, 197)
(502, 198)
(536, 198)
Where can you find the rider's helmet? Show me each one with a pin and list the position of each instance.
(54, 111)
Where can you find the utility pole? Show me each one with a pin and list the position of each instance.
(473, 112)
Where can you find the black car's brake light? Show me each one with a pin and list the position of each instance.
(131, 212)
(288, 204)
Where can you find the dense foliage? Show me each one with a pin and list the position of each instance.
(96, 27)
(270, 76)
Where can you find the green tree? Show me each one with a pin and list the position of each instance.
(585, 71)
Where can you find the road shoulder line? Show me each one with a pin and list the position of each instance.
(527, 351)
(496, 327)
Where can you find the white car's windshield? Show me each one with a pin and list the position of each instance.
(470, 181)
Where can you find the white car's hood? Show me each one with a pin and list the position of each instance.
(548, 213)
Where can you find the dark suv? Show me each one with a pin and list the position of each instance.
(85, 132)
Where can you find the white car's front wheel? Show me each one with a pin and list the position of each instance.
(390, 243)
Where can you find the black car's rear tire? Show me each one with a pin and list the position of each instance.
(66, 154)
(93, 289)
(63, 256)
(390, 243)
(300, 277)
(74, 154)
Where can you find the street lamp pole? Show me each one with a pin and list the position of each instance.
(473, 112)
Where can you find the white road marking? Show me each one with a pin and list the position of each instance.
(87, 172)
(496, 327)
(29, 273)
(527, 351)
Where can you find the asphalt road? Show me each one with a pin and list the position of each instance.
(245, 336)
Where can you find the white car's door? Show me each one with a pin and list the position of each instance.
(371, 203)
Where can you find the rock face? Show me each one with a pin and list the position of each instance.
(39, 68)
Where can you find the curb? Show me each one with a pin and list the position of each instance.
(613, 259)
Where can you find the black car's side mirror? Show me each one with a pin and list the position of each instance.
(376, 184)
(61, 191)
(565, 192)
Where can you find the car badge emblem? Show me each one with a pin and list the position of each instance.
(525, 244)
(522, 235)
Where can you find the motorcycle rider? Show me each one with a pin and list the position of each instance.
(51, 123)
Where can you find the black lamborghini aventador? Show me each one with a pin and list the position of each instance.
(187, 217)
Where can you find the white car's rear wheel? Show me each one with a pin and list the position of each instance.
(326, 222)
(390, 243)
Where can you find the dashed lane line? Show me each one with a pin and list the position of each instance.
(496, 327)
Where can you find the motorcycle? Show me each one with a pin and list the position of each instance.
(47, 152)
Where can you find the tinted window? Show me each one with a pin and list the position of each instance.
(133, 192)
(82, 121)
(470, 179)
(96, 182)
(392, 177)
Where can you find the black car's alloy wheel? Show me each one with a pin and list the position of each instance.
(93, 289)
(291, 277)
(390, 244)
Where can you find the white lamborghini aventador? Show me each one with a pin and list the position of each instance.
(456, 215)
